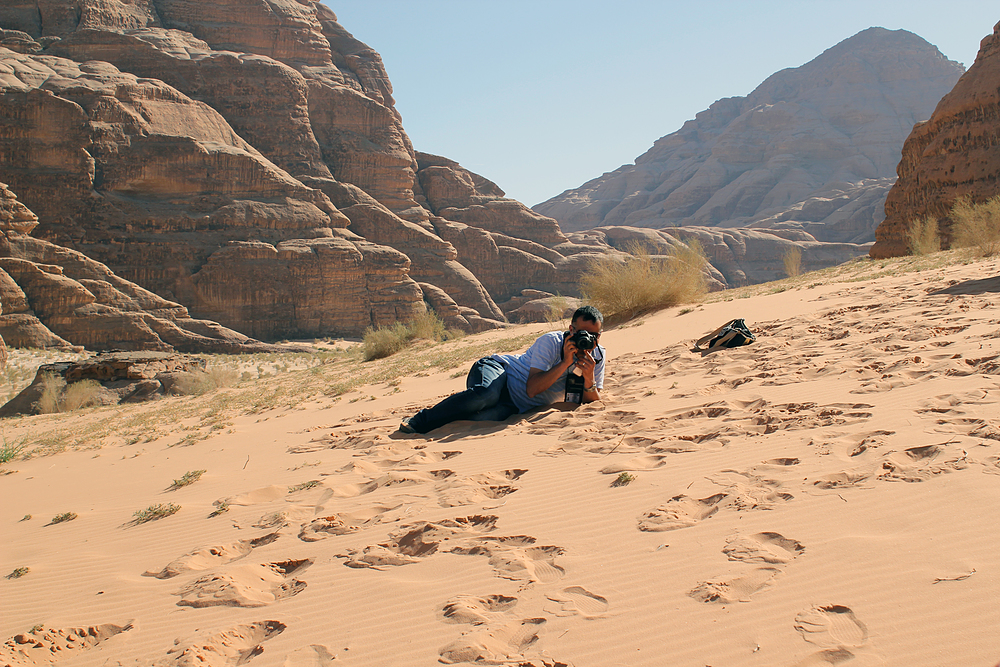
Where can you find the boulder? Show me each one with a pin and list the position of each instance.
(956, 153)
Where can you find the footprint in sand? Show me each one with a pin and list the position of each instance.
(498, 645)
(228, 648)
(206, 557)
(477, 489)
(734, 589)
(392, 478)
(680, 512)
(831, 626)
(339, 441)
(474, 610)
(323, 527)
(577, 600)
(44, 646)
(766, 547)
(245, 586)
(314, 655)
(638, 463)
(918, 464)
(417, 540)
(513, 557)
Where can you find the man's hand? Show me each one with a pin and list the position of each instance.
(539, 380)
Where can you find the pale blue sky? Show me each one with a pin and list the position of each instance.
(543, 95)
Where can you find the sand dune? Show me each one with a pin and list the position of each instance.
(828, 495)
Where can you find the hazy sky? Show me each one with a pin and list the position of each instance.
(540, 96)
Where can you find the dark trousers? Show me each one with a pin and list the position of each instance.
(485, 399)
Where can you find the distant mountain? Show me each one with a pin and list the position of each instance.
(813, 148)
(956, 153)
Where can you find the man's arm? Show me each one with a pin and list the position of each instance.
(539, 380)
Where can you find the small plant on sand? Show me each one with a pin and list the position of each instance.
(304, 485)
(624, 479)
(52, 386)
(623, 288)
(558, 305)
(196, 383)
(19, 572)
(63, 518)
(11, 450)
(976, 226)
(221, 508)
(382, 342)
(922, 237)
(793, 262)
(190, 477)
(80, 394)
(26, 517)
(154, 512)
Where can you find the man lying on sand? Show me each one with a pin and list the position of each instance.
(504, 384)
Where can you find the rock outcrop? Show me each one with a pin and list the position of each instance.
(954, 154)
(54, 297)
(121, 377)
(246, 159)
(812, 148)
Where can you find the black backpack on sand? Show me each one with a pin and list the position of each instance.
(733, 333)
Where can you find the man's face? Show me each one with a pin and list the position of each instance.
(581, 324)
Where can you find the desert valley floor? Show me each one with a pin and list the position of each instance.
(827, 495)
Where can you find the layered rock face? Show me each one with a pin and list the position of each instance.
(954, 154)
(246, 159)
(54, 297)
(813, 149)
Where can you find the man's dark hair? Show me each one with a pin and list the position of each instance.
(588, 313)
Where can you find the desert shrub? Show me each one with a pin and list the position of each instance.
(80, 394)
(385, 341)
(52, 386)
(624, 288)
(922, 237)
(11, 450)
(557, 309)
(427, 326)
(196, 383)
(976, 226)
(793, 261)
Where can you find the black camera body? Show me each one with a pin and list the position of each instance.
(584, 340)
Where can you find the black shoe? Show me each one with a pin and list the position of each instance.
(404, 427)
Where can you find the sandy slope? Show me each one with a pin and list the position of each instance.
(827, 495)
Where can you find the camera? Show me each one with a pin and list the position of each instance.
(584, 340)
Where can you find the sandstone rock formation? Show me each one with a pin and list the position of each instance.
(737, 257)
(813, 148)
(954, 154)
(54, 297)
(246, 159)
(122, 377)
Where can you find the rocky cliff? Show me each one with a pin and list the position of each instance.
(956, 153)
(54, 297)
(812, 148)
(245, 158)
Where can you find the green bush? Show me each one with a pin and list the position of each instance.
(622, 289)
(976, 226)
(922, 237)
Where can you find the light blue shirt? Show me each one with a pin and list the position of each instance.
(543, 354)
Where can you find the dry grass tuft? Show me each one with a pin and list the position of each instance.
(793, 262)
(386, 341)
(922, 237)
(976, 226)
(643, 282)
